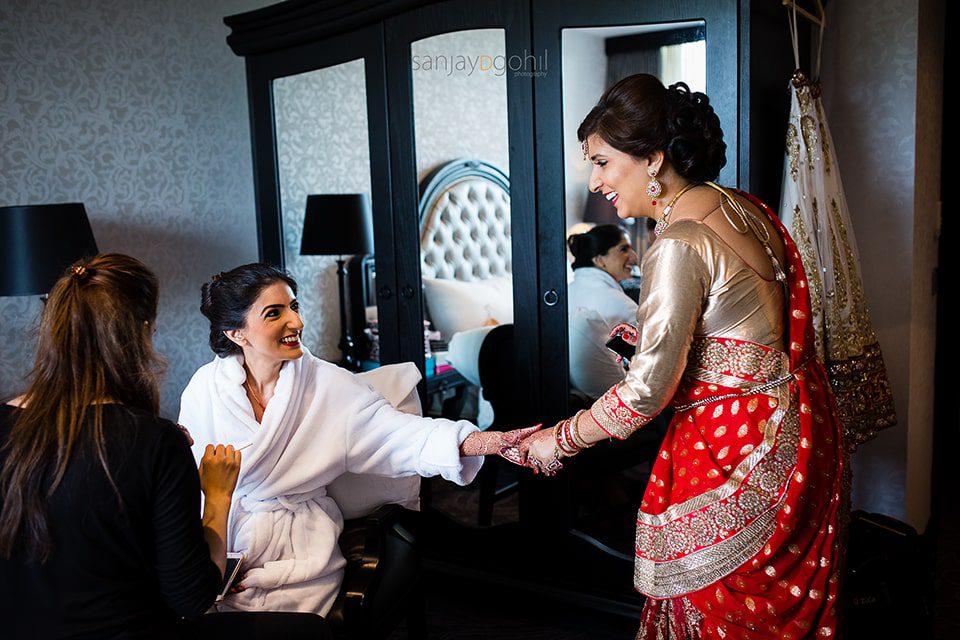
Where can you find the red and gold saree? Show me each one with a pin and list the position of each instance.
(738, 535)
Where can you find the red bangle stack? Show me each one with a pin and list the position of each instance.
(569, 442)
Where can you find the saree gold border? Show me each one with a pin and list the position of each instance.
(711, 377)
(739, 474)
(672, 578)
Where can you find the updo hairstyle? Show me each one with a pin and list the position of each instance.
(638, 115)
(227, 298)
(596, 242)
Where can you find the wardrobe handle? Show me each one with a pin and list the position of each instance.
(551, 297)
(385, 293)
(407, 292)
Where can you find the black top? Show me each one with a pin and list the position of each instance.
(119, 568)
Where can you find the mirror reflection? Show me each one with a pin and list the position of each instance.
(462, 154)
(323, 151)
(604, 264)
(604, 254)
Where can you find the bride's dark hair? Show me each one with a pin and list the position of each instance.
(227, 298)
(638, 115)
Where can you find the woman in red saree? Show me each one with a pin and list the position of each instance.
(739, 531)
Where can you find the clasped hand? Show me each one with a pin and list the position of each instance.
(532, 447)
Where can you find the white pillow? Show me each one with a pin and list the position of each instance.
(464, 352)
(456, 306)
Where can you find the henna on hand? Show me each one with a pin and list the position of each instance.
(484, 443)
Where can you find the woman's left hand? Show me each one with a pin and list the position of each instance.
(485, 443)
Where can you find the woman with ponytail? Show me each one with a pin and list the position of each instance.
(602, 259)
(99, 529)
(739, 530)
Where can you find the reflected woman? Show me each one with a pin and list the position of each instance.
(602, 258)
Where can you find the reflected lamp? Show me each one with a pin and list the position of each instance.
(339, 225)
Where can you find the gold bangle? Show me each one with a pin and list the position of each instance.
(575, 433)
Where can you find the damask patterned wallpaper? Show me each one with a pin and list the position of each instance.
(138, 109)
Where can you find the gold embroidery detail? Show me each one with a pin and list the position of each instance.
(743, 430)
(825, 147)
(692, 544)
(793, 150)
(720, 432)
(615, 417)
(811, 142)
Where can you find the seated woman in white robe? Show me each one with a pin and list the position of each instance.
(602, 258)
(301, 423)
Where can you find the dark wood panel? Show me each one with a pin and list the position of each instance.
(296, 22)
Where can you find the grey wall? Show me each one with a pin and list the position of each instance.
(138, 109)
(886, 133)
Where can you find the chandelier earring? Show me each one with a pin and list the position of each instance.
(654, 188)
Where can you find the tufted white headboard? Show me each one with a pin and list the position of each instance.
(465, 222)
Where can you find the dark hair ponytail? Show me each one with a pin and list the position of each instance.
(638, 115)
(227, 298)
(596, 242)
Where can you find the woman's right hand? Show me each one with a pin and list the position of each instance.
(219, 469)
(627, 331)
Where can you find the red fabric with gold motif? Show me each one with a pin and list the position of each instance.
(739, 531)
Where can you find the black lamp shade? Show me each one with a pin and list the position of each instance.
(337, 225)
(38, 242)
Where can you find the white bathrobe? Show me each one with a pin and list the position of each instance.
(322, 422)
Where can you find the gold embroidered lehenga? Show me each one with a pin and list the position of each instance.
(738, 532)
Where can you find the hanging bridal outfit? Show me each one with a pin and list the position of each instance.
(814, 210)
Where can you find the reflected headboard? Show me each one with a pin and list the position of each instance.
(465, 222)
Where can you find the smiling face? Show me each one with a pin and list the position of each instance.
(620, 177)
(273, 326)
(619, 260)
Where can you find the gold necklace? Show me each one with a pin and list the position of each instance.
(664, 220)
(256, 396)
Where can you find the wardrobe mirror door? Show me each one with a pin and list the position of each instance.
(594, 59)
(460, 113)
(323, 149)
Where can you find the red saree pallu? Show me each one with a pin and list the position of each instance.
(738, 534)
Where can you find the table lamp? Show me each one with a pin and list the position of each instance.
(37, 244)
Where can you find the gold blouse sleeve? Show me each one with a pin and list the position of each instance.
(674, 286)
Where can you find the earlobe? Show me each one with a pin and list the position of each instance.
(655, 161)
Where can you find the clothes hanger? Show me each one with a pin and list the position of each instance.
(819, 20)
